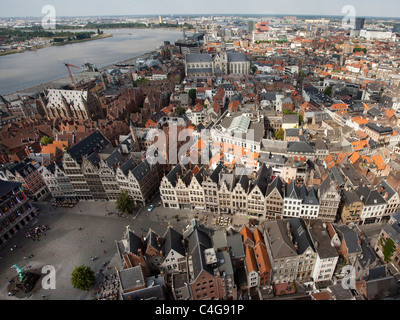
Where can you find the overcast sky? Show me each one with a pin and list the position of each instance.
(33, 8)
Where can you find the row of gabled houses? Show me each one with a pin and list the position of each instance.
(90, 170)
(262, 195)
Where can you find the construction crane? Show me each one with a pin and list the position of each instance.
(68, 65)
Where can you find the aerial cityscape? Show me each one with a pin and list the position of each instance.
(169, 153)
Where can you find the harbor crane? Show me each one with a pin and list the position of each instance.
(68, 65)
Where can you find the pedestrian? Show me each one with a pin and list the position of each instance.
(105, 252)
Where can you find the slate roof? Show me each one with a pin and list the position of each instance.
(237, 57)
(8, 186)
(321, 240)
(114, 158)
(276, 184)
(292, 191)
(141, 170)
(370, 197)
(151, 240)
(21, 168)
(198, 57)
(173, 241)
(385, 188)
(263, 179)
(310, 196)
(280, 244)
(300, 147)
(235, 242)
(88, 145)
(131, 278)
(351, 239)
(300, 235)
(127, 166)
(135, 243)
(171, 176)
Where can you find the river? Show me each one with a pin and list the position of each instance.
(23, 70)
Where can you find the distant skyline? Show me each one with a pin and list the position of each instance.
(33, 8)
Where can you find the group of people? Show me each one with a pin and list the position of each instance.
(109, 289)
(36, 233)
(65, 204)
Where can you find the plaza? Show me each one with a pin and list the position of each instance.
(65, 247)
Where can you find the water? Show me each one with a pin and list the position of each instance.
(27, 69)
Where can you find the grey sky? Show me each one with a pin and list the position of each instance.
(24, 8)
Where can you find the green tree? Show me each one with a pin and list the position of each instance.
(279, 135)
(46, 140)
(192, 95)
(388, 249)
(181, 111)
(82, 277)
(125, 203)
(301, 119)
(302, 74)
(328, 91)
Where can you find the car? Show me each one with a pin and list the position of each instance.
(151, 208)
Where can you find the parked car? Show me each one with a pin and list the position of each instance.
(151, 208)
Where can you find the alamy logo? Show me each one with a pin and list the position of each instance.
(348, 21)
(49, 280)
(49, 21)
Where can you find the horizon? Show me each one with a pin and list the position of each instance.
(136, 8)
(247, 15)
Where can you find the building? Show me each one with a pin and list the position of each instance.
(16, 210)
(387, 246)
(57, 182)
(210, 272)
(391, 197)
(80, 164)
(76, 104)
(327, 256)
(374, 205)
(26, 173)
(351, 207)
(141, 181)
(223, 63)
(329, 200)
(274, 199)
(350, 244)
(281, 251)
(292, 201)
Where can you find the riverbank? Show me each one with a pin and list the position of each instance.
(64, 81)
(14, 51)
(98, 37)
(19, 73)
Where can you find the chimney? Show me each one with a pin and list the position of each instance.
(386, 195)
(159, 241)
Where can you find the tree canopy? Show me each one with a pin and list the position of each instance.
(192, 95)
(388, 249)
(46, 140)
(125, 203)
(82, 277)
(279, 135)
